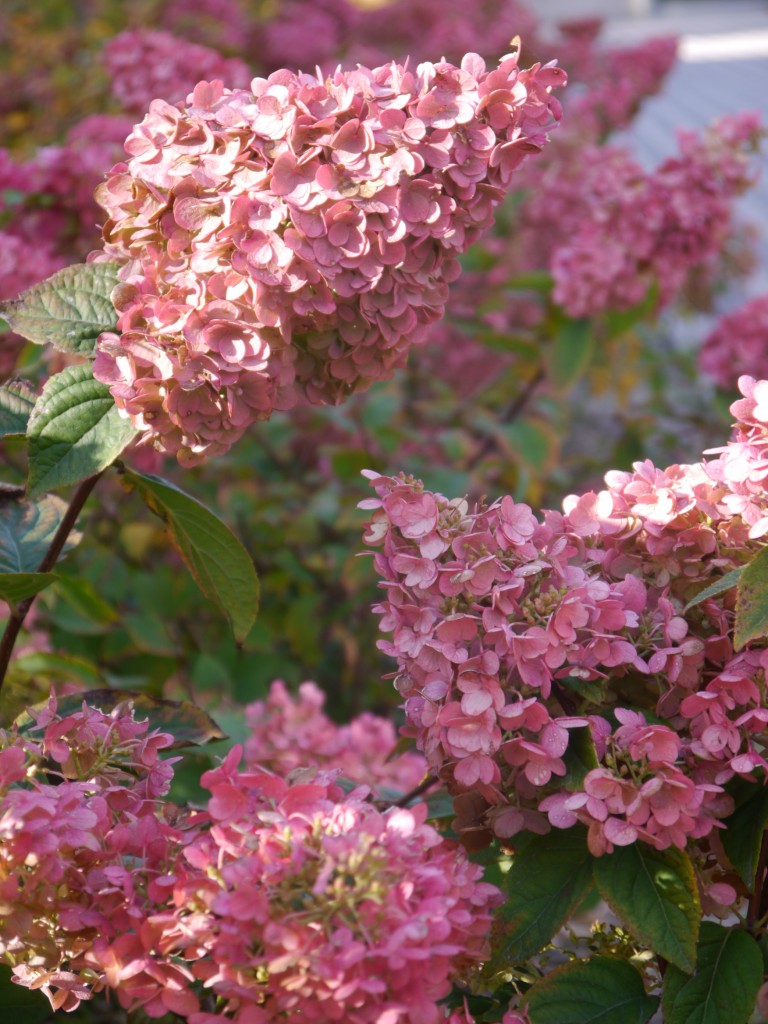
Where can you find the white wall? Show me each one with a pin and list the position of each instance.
(557, 9)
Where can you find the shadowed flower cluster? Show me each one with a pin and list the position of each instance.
(288, 732)
(145, 64)
(738, 344)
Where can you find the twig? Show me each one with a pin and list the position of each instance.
(755, 908)
(510, 414)
(426, 783)
(19, 613)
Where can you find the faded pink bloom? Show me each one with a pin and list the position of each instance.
(738, 344)
(349, 904)
(511, 630)
(145, 64)
(289, 242)
(288, 732)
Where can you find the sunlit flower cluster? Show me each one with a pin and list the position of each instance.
(291, 242)
(313, 904)
(83, 845)
(284, 898)
(514, 633)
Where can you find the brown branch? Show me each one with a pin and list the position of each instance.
(510, 414)
(426, 783)
(20, 611)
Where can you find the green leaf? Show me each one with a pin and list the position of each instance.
(743, 833)
(580, 757)
(726, 582)
(18, 693)
(534, 280)
(571, 354)
(653, 892)
(531, 441)
(724, 987)
(752, 602)
(17, 399)
(188, 724)
(84, 598)
(26, 531)
(69, 310)
(18, 586)
(618, 322)
(218, 562)
(25, 1005)
(601, 990)
(547, 880)
(75, 430)
(55, 667)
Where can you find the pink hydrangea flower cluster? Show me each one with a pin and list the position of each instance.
(640, 228)
(292, 241)
(323, 33)
(225, 24)
(617, 79)
(312, 904)
(449, 27)
(283, 898)
(513, 632)
(288, 732)
(84, 853)
(738, 344)
(145, 64)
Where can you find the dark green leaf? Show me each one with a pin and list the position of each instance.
(19, 692)
(18, 586)
(653, 892)
(75, 430)
(548, 878)
(217, 560)
(572, 352)
(23, 1005)
(26, 531)
(723, 988)
(752, 602)
(580, 757)
(82, 596)
(596, 991)
(439, 804)
(743, 833)
(69, 310)
(17, 399)
(726, 582)
(187, 723)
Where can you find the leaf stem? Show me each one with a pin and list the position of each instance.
(759, 897)
(19, 612)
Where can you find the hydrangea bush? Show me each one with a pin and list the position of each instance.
(569, 825)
